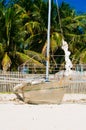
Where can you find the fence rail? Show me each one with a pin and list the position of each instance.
(9, 79)
(71, 84)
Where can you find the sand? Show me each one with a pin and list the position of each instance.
(66, 116)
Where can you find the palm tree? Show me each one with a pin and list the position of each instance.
(73, 26)
(25, 31)
(10, 29)
(14, 39)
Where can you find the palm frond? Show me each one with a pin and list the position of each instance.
(32, 25)
(6, 62)
(24, 59)
(83, 57)
(56, 39)
(35, 55)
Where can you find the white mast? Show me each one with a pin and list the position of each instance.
(48, 41)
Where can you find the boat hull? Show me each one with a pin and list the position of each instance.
(43, 93)
(44, 96)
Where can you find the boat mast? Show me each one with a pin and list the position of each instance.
(48, 41)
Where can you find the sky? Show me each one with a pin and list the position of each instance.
(78, 5)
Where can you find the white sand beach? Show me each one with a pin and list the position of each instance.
(66, 116)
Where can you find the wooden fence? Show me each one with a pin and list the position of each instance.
(9, 79)
(73, 84)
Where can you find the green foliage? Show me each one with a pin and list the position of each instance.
(56, 39)
(23, 32)
(6, 62)
(83, 57)
(23, 58)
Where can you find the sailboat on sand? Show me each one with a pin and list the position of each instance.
(44, 91)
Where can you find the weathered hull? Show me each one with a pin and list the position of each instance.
(44, 96)
(44, 93)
